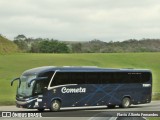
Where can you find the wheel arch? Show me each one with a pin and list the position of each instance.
(56, 98)
(126, 96)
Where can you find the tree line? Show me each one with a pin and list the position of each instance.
(41, 45)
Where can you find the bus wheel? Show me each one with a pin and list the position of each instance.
(55, 105)
(111, 106)
(126, 102)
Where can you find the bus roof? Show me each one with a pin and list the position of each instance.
(81, 69)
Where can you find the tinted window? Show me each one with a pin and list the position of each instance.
(145, 77)
(121, 77)
(124, 77)
(92, 78)
(41, 84)
(48, 75)
(135, 77)
(106, 77)
(77, 77)
(62, 78)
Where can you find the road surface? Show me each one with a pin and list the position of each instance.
(91, 113)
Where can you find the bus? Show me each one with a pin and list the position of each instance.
(50, 87)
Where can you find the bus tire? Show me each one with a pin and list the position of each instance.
(126, 102)
(55, 105)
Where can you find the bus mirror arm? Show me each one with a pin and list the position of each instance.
(40, 78)
(14, 80)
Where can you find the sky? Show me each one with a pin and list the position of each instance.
(81, 20)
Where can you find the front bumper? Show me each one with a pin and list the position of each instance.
(34, 103)
(30, 104)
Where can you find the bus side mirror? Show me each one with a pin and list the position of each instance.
(14, 80)
(29, 83)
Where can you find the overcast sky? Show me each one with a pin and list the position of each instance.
(81, 20)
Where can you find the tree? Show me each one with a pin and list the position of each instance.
(21, 42)
(53, 46)
(35, 47)
(62, 48)
(77, 47)
(22, 45)
(20, 37)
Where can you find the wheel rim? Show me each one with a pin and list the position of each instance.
(126, 102)
(55, 106)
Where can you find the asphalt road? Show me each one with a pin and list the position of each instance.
(95, 113)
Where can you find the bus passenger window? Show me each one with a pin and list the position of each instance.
(61, 78)
(92, 78)
(77, 77)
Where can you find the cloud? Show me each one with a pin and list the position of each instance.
(81, 19)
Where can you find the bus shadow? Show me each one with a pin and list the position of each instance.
(104, 109)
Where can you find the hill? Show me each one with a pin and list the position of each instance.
(7, 46)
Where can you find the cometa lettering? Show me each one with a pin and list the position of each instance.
(73, 90)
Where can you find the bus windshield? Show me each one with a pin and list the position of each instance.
(24, 90)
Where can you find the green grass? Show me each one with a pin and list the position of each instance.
(11, 66)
